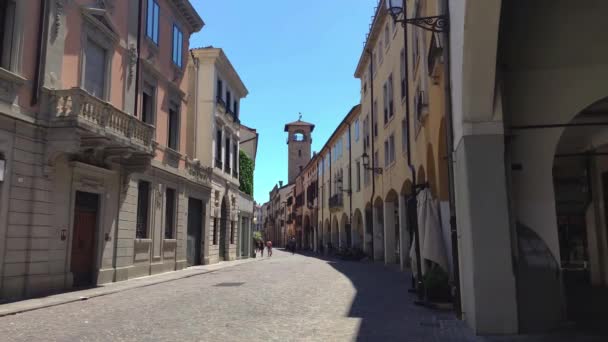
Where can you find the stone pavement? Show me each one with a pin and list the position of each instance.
(283, 298)
(111, 288)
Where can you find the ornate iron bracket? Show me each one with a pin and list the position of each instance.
(439, 23)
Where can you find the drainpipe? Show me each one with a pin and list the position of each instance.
(138, 64)
(41, 51)
(450, 147)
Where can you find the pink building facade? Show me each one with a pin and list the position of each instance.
(95, 182)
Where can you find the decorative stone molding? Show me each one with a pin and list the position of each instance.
(200, 173)
(59, 10)
(132, 63)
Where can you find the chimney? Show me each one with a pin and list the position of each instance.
(280, 184)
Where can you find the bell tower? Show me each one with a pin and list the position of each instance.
(299, 141)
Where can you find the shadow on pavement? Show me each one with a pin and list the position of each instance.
(388, 313)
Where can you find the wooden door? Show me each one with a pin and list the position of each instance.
(195, 228)
(84, 239)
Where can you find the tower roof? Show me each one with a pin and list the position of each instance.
(299, 123)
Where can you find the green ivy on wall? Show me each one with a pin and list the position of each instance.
(246, 173)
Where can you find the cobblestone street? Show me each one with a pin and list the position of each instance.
(283, 298)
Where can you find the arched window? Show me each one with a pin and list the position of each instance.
(299, 136)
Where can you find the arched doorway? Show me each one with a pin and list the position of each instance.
(392, 238)
(369, 231)
(307, 232)
(224, 226)
(378, 224)
(357, 229)
(335, 233)
(345, 232)
(580, 183)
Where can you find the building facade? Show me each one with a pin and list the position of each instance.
(529, 136)
(214, 122)
(95, 175)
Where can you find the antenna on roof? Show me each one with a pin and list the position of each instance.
(300, 117)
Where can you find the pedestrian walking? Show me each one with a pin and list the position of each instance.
(269, 246)
(292, 243)
(261, 248)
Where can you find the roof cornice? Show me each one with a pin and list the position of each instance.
(370, 43)
(189, 14)
(227, 70)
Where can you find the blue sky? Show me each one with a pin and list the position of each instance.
(293, 56)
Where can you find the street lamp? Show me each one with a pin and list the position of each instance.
(396, 8)
(440, 23)
(366, 166)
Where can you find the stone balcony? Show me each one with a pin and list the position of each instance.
(82, 123)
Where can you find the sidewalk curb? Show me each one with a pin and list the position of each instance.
(106, 289)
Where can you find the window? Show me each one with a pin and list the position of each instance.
(391, 107)
(385, 98)
(95, 69)
(7, 33)
(391, 148)
(147, 106)
(358, 173)
(218, 149)
(366, 132)
(170, 213)
(173, 136)
(227, 156)
(403, 71)
(386, 154)
(152, 21)
(299, 153)
(300, 168)
(374, 63)
(356, 127)
(178, 46)
(143, 206)
(375, 118)
(228, 99)
(235, 154)
(236, 108)
(386, 37)
(220, 88)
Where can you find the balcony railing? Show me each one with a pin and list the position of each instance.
(225, 109)
(99, 117)
(218, 164)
